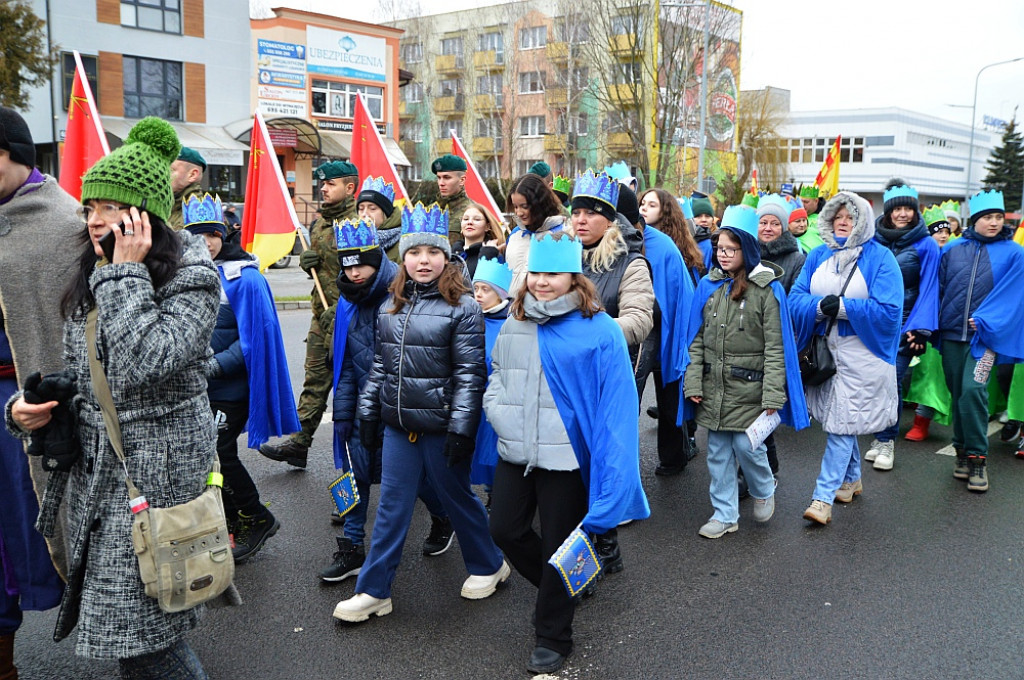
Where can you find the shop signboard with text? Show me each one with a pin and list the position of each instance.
(346, 55)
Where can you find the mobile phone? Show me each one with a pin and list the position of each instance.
(109, 240)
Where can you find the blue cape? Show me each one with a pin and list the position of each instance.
(271, 403)
(673, 289)
(705, 248)
(485, 456)
(586, 364)
(875, 320)
(925, 313)
(794, 413)
(999, 315)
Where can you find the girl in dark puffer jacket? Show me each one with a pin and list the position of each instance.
(426, 386)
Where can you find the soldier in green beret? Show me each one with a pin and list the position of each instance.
(186, 180)
(338, 181)
(451, 183)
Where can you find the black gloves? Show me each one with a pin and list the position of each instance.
(458, 449)
(369, 435)
(57, 441)
(309, 259)
(343, 430)
(830, 305)
(916, 342)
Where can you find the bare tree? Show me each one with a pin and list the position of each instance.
(760, 116)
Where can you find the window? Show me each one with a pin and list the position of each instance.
(451, 46)
(626, 24)
(574, 29)
(411, 53)
(488, 127)
(411, 132)
(576, 79)
(621, 121)
(523, 167)
(627, 73)
(413, 93)
(533, 37)
(531, 81)
(489, 84)
(806, 150)
(152, 88)
(411, 173)
(152, 15)
(488, 167)
(449, 87)
(531, 126)
(445, 127)
(67, 60)
(338, 100)
(491, 41)
(576, 124)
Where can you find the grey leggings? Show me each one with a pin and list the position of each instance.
(177, 662)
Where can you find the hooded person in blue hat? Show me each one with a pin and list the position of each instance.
(742, 362)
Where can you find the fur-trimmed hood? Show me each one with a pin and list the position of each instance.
(863, 220)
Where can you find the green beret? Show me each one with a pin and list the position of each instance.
(192, 156)
(702, 206)
(540, 168)
(335, 169)
(448, 163)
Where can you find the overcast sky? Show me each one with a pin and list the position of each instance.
(830, 54)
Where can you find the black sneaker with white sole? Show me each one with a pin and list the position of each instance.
(348, 561)
(440, 537)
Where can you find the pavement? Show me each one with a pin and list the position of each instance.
(917, 578)
(290, 281)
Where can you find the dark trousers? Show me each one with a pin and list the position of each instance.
(672, 442)
(177, 662)
(559, 498)
(240, 492)
(969, 399)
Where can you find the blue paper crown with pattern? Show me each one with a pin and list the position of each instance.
(204, 210)
(740, 217)
(357, 234)
(420, 219)
(386, 189)
(601, 187)
(687, 207)
(898, 191)
(493, 272)
(987, 201)
(552, 254)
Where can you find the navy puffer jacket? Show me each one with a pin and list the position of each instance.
(429, 368)
(232, 381)
(965, 280)
(903, 246)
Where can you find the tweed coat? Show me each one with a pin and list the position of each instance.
(152, 344)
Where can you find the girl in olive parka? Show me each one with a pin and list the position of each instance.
(737, 368)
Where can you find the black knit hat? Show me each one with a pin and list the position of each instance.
(16, 138)
(591, 203)
(627, 205)
(897, 193)
(377, 199)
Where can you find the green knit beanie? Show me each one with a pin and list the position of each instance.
(139, 169)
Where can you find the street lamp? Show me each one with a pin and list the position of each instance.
(974, 110)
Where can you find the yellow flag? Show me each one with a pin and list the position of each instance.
(827, 180)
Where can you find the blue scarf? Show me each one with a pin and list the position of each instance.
(673, 290)
(586, 364)
(271, 403)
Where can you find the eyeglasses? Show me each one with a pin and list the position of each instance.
(728, 252)
(108, 212)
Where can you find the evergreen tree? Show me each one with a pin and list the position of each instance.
(1005, 166)
(25, 62)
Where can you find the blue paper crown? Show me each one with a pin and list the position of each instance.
(493, 272)
(741, 217)
(357, 234)
(205, 210)
(986, 200)
(386, 189)
(897, 191)
(617, 171)
(555, 255)
(687, 207)
(774, 199)
(420, 219)
(601, 187)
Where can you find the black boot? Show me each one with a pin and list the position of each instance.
(8, 671)
(290, 452)
(348, 561)
(607, 546)
(977, 479)
(440, 537)
(253, 531)
(962, 470)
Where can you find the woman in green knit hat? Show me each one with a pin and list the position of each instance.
(153, 298)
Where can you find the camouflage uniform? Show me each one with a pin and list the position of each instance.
(176, 221)
(319, 381)
(456, 205)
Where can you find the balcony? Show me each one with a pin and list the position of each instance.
(619, 142)
(442, 146)
(408, 147)
(449, 63)
(556, 144)
(444, 106)
(556, 96)
(491, 60)
(487, 146)
(624, 45)
(488, 103)
(623, 95)
(407, 109)
(557, 52)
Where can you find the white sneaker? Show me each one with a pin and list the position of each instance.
(479, 587)
(360, 607)
(1004, 418)
(873, 450)
(885, 457)
(764, 508)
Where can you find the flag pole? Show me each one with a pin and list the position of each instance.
(312, 270)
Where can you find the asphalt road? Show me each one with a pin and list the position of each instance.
(917, 578)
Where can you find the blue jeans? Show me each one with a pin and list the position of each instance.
(405, 463)
(725, 450)
(902, 364)
(177, 662)
(841, 463)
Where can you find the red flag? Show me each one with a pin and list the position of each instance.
(368, 152)
(475, 187)
(269, 222)
(84, 139)
(753, 181)
(827, 180)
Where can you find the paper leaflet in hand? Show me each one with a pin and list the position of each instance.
(763, 426)
(576, 562)
(345, 493)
